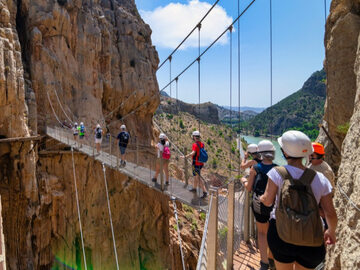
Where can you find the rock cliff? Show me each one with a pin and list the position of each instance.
(76, 60)
(343, 107)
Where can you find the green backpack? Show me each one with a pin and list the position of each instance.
(297, 214)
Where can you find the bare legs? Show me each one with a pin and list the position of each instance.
(262, 240)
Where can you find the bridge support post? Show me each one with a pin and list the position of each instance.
(137, 151)
(246, 216)
(212, 240)
(110, 152)
(117, 156)
(186, 168)
(230, 221)
(161, 172)
(252, 224)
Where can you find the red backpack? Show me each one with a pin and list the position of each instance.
(166, 153)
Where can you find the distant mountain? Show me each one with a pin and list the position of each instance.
(303, 110)
(245, 108)
(163, 93)
(224, 114)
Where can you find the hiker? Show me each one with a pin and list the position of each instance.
(82, 131)
(98, 138)
(317, 163)
(123, 138)
(295, 235)
(252, 151)
(257, 182)
(198, 156)
(75, 131)
(163, 154)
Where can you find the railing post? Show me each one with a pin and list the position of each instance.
(161, 172)
(230, 221)
(212, 240)
(110, 152)
(246, 217)
(252, 224)
(186, 168)
(137, 151)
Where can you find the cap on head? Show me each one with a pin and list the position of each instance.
(318, 148)
(98, 126)
(123, 127)
(75, 123)
(296, 144)
(162, 136)
(252, 148)
(266, 146)
(81, 123)
(196, 133)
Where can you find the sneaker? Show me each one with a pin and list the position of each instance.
(154, 180)
(272, 264)
(124, 163)
(204, 195)
(167, 183)
(263, 266)
(193, 190)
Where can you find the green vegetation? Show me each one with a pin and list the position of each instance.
(187, 208)
(223, 232)
(169, 116)
(181, 124)
(343, 129)
(202, 216)
(175, 227)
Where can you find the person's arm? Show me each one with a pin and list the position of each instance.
(268, 198)
(249, 182)
(189, 155)
(247, 164)
(331, 218)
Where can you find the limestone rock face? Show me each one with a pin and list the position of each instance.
(343, 69)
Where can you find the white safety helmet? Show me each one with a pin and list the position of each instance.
(81, 124)
(98, 126)
(266, 146)
(252, 148)
(196, 133)
(75, 123)
(162, 136)
(123, 127)
(296, 144)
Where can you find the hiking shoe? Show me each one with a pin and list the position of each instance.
(272, 264)
(204, 195)
(263, 266)
(193, 190)
(154, 180)
(167, 183)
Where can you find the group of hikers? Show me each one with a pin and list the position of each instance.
(292, 204)
(123, 138)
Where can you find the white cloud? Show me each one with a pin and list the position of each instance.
(171, 23)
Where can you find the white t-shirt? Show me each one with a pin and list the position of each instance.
(320, 186)
(160, 147)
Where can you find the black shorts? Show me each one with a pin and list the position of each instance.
(260, 218)
(196, 169)
(283, 252)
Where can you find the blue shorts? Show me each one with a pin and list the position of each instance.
(122, 149)
(196, 169)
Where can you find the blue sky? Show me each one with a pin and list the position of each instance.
(298, 47)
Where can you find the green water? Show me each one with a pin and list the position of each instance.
(278, 155)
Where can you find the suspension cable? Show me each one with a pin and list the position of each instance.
(178, 232)
(231, 127)
(212, 44)
(239, 87)
(111, 222)
(199, 74)
(78, 207)
(62, 108)
(52, 108)
(271, 74)
(325, 11)
(170, 58)
(192, 31)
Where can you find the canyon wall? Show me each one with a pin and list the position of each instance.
(342, 111)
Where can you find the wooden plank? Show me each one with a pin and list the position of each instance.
(21, 139)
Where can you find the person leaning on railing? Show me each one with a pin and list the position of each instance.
(163, 155)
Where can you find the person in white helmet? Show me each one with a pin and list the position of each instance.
(197, 165)
(82, 131)
(295, 236)
(163, 153)
(252, 151)
(123, 139)
(98, 137)
(75, 131)
(256, 183)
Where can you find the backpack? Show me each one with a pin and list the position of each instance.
(297, 214)
(203, 156)
(98, 133)
(82, 129)
(166, 153)
(124, 137)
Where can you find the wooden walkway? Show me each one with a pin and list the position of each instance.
(21, 139)
(176, 189)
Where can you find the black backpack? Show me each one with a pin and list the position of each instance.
(124, 137)
(261, 179)
(98, 133)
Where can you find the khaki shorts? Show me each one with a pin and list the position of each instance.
(165, 161)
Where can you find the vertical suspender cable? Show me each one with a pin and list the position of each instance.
(325, 10)
(178, 231)
(111, 222)
(239, 87)
(231, 127)
(271, 74)
(78, 207)
(170, 58)
(199, 27)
